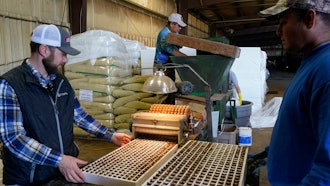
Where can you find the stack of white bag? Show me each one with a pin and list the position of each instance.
(102, 76)
(100, 68)
(131, 99)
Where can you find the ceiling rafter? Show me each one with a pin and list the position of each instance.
(236, 19)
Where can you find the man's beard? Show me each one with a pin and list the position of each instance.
(48, 64)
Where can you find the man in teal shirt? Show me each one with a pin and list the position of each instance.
(165, 49)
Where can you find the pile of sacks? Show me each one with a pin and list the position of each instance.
(104, 78)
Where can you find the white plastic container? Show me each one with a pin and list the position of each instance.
(245, 136)
(215, 123)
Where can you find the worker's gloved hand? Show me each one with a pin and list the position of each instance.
(240, 98)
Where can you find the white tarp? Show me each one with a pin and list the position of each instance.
(250, 69)
(267, 115)
(95, 44)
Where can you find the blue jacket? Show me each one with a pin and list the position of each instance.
(299, 152)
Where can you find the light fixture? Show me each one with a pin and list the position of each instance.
(159, 83)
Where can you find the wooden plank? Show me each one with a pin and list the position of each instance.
(204, 45)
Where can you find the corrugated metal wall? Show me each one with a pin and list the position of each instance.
(197, 28)
(17, 20)
(139, 20)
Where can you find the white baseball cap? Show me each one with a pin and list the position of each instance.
(52, 35)
(177, 18)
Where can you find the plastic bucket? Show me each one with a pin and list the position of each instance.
(242, 113)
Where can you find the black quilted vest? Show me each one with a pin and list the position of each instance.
(45, 119)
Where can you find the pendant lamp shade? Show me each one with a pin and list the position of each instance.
(159, 83)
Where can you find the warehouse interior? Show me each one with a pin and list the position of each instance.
(233, 25)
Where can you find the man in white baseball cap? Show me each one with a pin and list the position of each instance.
(37, 110)
(177, 18)
(299, 150)
(165, 49)
(52, 35)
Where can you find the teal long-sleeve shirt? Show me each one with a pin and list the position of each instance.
(163, 48)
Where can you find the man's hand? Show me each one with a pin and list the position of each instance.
(120, 139)
(69, 168)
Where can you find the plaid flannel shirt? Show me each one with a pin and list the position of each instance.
(13, 134)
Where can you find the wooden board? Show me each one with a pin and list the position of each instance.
(204, 45)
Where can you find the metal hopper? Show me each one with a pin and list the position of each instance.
(214, 69)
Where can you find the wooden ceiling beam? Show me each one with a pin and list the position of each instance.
(264, 29)
(189, 4)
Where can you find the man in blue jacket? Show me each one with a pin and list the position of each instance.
(37, 110)
(299, 151)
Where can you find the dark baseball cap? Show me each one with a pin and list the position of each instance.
(283, 5)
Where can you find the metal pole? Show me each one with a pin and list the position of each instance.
(208, 107)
